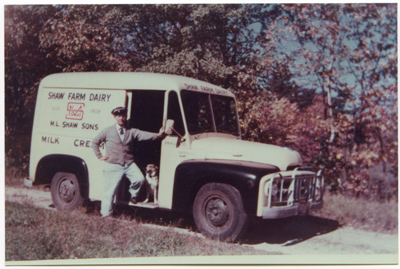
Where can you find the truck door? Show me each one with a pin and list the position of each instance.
(172, 153)
(146, 113)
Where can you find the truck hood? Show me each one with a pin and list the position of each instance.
(239, 150)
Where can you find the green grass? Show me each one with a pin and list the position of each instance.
(39, 234)
(359, 213)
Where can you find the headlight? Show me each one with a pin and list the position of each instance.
(273, 189)
(319, 188)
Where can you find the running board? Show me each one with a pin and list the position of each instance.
(139, 204)
(145, 205)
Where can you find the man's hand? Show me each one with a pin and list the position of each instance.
(161, 133)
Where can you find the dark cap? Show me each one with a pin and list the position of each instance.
(119, 110)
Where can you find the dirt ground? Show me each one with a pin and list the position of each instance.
(311, 236)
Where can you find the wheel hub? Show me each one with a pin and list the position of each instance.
(217, 212)
(67, 190)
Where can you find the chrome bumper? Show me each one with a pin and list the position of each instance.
(290, 193)
(284, 212)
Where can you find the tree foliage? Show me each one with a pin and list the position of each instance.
(25, 64)
(319, 78)
(349, 54)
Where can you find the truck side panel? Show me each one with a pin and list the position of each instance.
(66, 120)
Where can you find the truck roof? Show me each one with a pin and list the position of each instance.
(128, 80)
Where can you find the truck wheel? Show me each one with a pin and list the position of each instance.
(65, 191)
(218, 212)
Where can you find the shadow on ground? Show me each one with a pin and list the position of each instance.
(288, 231)
(148, 216)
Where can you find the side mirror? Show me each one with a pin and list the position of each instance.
(169, 127)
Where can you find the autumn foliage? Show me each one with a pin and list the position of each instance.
(319, 78)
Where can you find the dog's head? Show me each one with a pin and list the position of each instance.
(151, 169)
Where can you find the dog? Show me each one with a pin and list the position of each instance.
(151, 182)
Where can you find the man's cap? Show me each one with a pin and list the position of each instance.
(119, 110)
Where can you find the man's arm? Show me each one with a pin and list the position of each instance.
(143, 135)
(96, 142)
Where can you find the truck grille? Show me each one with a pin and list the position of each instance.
(285, 190)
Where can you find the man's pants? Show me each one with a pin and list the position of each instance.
(113, 174)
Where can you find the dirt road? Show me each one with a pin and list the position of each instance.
(295, 236)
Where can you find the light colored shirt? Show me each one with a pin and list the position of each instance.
(119, 131)
(120, 151)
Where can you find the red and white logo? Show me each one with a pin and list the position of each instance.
(75, 111)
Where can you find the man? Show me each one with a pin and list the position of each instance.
(119, 159)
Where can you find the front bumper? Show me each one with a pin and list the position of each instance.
(290, 193)
(284, 212)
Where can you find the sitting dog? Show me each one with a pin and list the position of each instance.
(151, 182)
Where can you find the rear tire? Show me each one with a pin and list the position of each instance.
(65, 191)
(218, 212)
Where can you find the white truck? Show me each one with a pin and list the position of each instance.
(204, 166)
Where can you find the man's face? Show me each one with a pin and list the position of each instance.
(120, 119)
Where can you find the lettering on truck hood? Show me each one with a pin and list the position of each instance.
(232, 149)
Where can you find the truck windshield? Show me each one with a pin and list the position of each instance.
(209, 113)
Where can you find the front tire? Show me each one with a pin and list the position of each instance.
(65, 191)
(218, 212)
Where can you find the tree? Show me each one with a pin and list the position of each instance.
(91, 38)
(24, 65)
(209, 42)
(319, 78)
(347, 52)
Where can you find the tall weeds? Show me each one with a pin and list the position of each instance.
(360, 213)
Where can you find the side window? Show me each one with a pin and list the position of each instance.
(225, 114)
(198, 112)
(147, 109)
(174, 112)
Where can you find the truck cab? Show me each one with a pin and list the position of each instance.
(205, 168)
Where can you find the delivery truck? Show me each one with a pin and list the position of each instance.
(205, 168)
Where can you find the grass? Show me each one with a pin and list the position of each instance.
(39, 234)
(359, 213)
